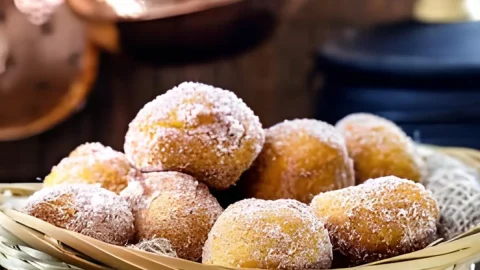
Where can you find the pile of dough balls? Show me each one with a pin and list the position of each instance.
(310, 195)
(192, 138)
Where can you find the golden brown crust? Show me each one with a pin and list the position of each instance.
(176, 207)
(58, 212)
(378, 219)
(379, 148)
(300, 158)
(89, 164)
(86, 209)
(197, 129)
(281, 234)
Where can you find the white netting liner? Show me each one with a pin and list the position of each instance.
(156, 245)
(457, 190)
(38, 11)
(436, 161)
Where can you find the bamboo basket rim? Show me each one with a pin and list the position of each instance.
(28, 243)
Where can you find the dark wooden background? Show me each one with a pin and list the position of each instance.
(272, 79)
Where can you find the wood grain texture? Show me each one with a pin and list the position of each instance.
(272, 79)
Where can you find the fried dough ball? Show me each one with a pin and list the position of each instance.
(379, 148)
(300, 158)
(87, 149)
(281, 234)
(378, 219)
(197, 129)
(86, 209)
(92, 164)
(176, 207)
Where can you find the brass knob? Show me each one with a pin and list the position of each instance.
(446, 11)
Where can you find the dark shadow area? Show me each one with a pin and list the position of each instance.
(207, 35)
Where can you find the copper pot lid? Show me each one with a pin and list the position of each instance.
(137, 10)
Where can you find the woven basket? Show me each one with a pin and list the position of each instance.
(30, 243)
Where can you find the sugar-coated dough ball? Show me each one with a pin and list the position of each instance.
(281, 234)
(92, 164)
(300, 158)
(378, 219)
(197, 129)
(379, 148)
(91, 148)
(176, 207)
(86, 209)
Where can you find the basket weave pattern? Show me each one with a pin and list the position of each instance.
(25, 243)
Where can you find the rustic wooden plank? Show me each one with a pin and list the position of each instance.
(259, 90)
(121, 81)
(19, 160)
(354, 13)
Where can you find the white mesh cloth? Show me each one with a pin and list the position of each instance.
(457, 190)
(156, 245)
(435, 161)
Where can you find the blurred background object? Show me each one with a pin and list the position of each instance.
(46, 67)
(446, 11)
(420, 73)
(193, 29)
(264, 51)
(422, 76)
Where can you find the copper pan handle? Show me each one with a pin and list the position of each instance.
(137, 10)
(4, 49)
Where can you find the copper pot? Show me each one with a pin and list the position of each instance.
(182, 30)
(46, 72)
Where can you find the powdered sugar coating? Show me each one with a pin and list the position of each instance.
(141, 193)
(86, 209)
(93, 164)
(197, 129)
(281, 234)
(380, 148)
(378, 219)
(323, 131)
(90, 148)
(176, 207)
(300, 159)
